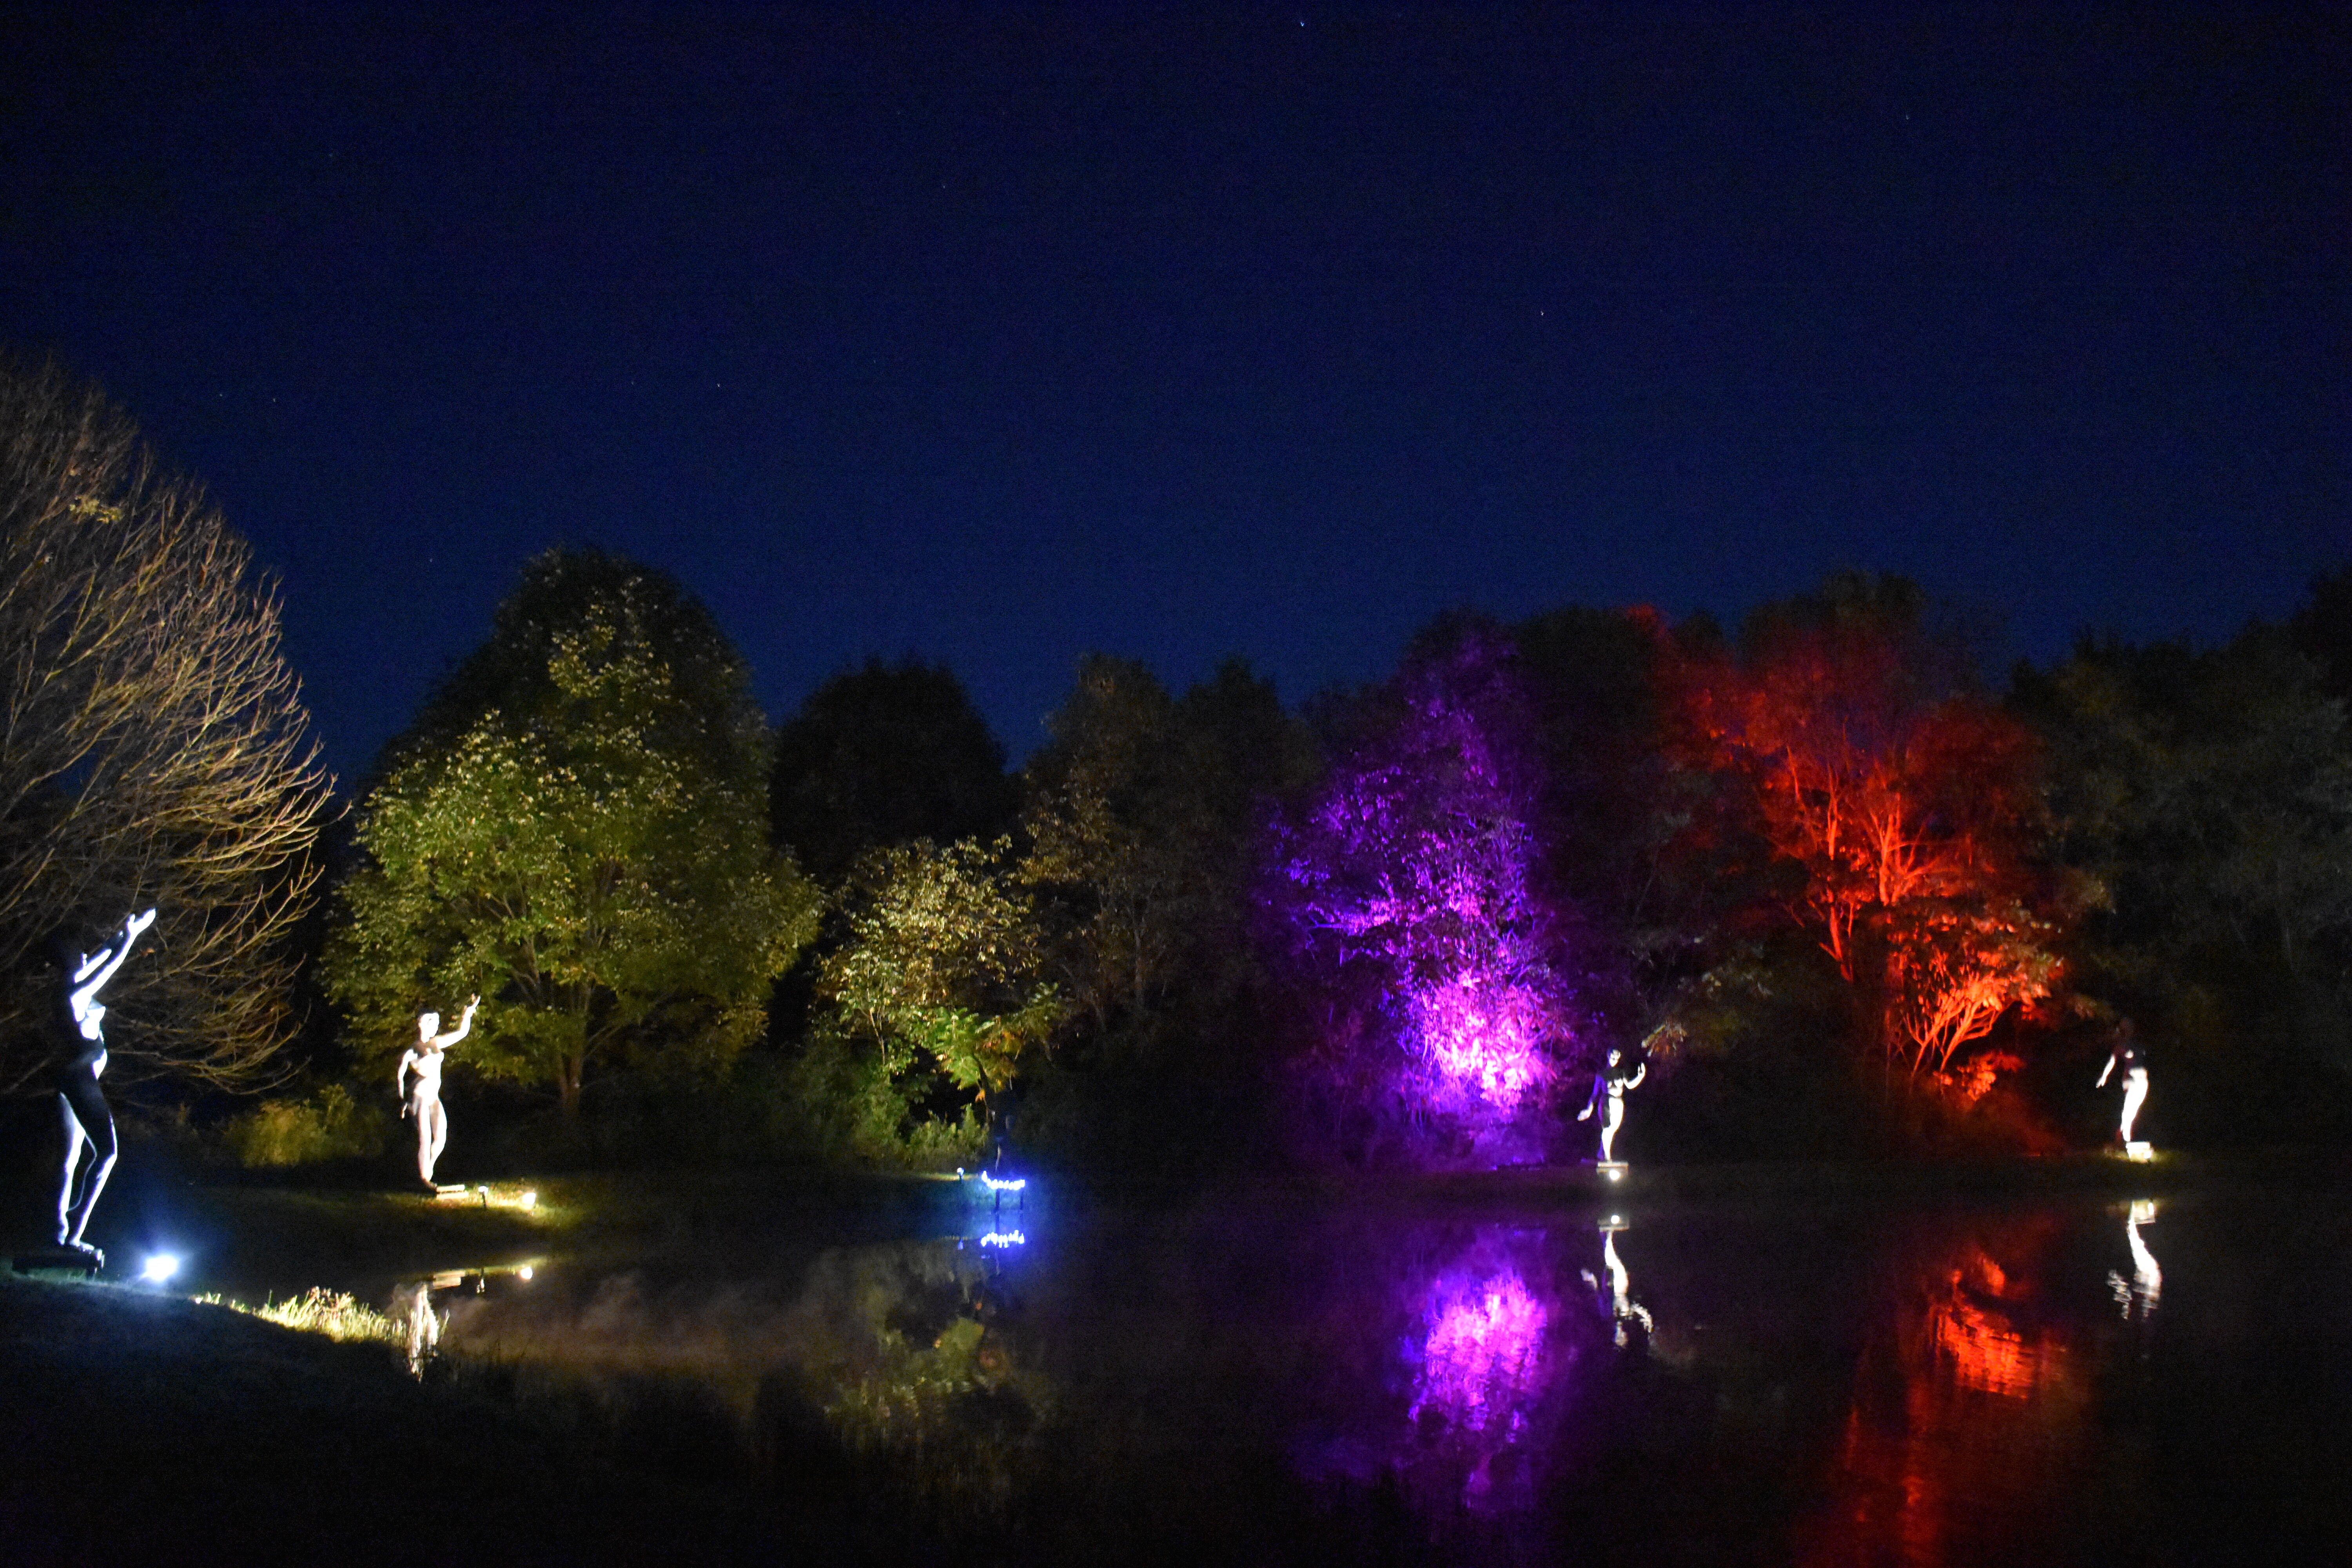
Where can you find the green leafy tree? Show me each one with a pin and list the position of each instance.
(588, 852)
(938, 979)
(1143, 815)
(151, 748)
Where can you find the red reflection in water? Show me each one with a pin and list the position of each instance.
(1969, 1415)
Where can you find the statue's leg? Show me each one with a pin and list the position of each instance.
(2134, 1095)
(1608, 1128)
(66, 1178)
(86, 1108)
(432, 1136)
(421, 1112)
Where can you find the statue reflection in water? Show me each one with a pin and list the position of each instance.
(1618, 1301)
(2138, 1295)
(87, 1119)
(415, 1311)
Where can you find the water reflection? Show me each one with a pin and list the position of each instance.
(2138, 1296)
(1871, 1385)
(1623, 1310)
(1971, 1432)
(1482, 1372)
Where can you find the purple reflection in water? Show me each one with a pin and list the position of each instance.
(1480, 1361)
(1490, 1366)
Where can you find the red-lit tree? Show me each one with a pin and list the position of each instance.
(1907, 803)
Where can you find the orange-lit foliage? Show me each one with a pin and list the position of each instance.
(1908, 812)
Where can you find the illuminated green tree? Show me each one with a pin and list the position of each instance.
(589, 853)
(938, 979)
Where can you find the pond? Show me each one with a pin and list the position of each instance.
(1605, 1375)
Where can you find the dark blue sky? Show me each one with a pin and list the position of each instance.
(996, 340)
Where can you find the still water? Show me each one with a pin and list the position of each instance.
(2099, 1375)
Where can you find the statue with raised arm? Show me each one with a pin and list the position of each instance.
(422, 1099)
(87, 1119)
(2128, 1055)
(1609, 1084)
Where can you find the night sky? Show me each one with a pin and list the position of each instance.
(997, 339)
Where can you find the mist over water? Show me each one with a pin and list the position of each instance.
(2045, 1380)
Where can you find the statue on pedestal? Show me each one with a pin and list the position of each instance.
(1610, 1084)
(422, 1100)
(2128, 1055)
(87, 1119)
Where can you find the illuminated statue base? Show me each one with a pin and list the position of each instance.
(445, 1190)
(2139, 1149)
(83, 1261)
(1614, 1169)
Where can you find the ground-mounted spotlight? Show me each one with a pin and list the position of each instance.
(524, 1273)
(160, 1267)
(530, 1200)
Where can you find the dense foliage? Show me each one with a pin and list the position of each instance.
(577, 831)
(1408, 889)
(1908, 805)
(935, 1000)
(886, 754)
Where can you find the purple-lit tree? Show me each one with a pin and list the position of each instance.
(1405, 892)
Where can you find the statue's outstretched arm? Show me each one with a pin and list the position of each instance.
(465, 1025)
(99, 967)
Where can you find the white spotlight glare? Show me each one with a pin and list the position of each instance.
(160, 1266)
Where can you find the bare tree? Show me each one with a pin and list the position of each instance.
(153, 750)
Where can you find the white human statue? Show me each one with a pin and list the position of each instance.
(87, 1119)
(422, 1099)
(1610, 1084)
(2128, 1056)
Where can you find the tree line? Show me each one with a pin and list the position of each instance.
(1842, 887)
